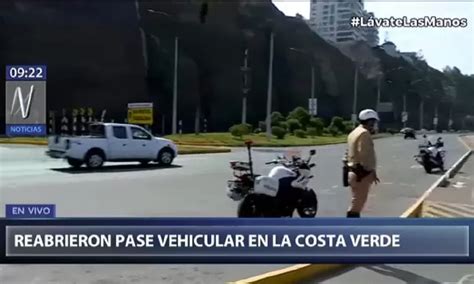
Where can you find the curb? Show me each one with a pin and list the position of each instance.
(209, 151)
(302, 272)
(416, 209)
(39, 143)
(292, 274)
(458, 165)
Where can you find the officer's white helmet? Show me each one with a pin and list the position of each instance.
(367, 114)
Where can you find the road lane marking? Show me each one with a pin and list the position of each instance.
(447, 210)
(459, 184)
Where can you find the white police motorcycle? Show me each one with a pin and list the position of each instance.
(279, 194)
(431, 156)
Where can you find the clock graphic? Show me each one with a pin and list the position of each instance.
(25, 100)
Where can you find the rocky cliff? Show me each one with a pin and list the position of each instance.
(104, 54)
(211, 55)
(92, 49)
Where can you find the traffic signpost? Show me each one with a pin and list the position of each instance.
(404, 116)
(313, 106)
(140, 113)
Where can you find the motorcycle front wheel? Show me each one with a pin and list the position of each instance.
(249, 207)
(427, 165)
(428, 168)
(308, 206)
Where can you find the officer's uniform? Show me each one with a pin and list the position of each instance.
(362, 163)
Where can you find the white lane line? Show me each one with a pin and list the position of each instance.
(459, 184)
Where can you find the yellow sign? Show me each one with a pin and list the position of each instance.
(140, 113)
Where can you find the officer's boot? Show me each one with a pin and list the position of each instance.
(351, 214)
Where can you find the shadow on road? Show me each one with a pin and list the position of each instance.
(116, 168)
(438, 173)
(389, 271)
(403, 275)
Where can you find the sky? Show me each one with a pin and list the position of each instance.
(440, 46)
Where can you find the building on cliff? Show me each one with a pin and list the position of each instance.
(331, 20)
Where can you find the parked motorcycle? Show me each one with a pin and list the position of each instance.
(431, 156)
(279, 194)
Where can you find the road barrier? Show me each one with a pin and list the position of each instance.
(293, 274)
(304, 272)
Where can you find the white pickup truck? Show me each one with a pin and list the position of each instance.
(112, 142)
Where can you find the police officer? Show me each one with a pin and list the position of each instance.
(361, 161)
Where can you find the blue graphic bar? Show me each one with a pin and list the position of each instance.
(25, 130)
(30, 211)
(179, 240)
(26, 72)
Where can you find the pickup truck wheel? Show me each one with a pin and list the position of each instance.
(165, 157)
(75, 163)
(94, 160)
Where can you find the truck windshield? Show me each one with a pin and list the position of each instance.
(97, 130)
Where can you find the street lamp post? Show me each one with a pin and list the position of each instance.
(379, 78)
(421, 112)
(245, 89)
(269, 90)
(378, 90)
(450, 123)
(175, 75)
(354, 101)
(404, 116)
(313, 77)
(175, 86)
(405, 113)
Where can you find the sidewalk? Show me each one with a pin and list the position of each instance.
(457, 199)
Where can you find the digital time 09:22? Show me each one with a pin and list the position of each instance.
(30, 72)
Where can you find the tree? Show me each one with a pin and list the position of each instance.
(277, 117)
(278, 132)
(463, 89)
(301, 115)
(293, 124)
(338, 123)
(317, 124)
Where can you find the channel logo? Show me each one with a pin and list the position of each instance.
(25, 113)
(19, 104)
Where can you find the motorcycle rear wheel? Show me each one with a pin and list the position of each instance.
(308, 207)
(249, 208)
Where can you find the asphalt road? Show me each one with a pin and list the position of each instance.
(194, 187)
(403, 274)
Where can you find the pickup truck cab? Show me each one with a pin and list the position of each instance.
(112, 142)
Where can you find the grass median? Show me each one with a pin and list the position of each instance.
(183, 149)
(259, 140)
